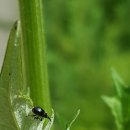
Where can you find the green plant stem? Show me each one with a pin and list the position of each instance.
(31, 14)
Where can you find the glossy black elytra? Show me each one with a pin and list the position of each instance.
(39, 113)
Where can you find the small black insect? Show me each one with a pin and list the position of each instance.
(39, 113)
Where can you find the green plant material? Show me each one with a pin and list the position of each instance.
(116, 108)
(119, 104)
(61, 120)
(14, 106)
(72, 121)
(119, 83)
(15, 102)
(31, 12)
(7, 120)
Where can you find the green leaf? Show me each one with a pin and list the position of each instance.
(14, 95)
(119, 83)
(72, 121)
(116, 108)
(13, 102)
(7, 120)
(119, 104)
(123, 93)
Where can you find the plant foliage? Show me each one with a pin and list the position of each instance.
(15, 102)
(16, 105)
(119, 104)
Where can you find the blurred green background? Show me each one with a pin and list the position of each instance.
(84, 40)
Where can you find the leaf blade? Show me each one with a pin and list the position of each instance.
(7, 120)
(72, 121)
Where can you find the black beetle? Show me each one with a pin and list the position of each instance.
(39, 113)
